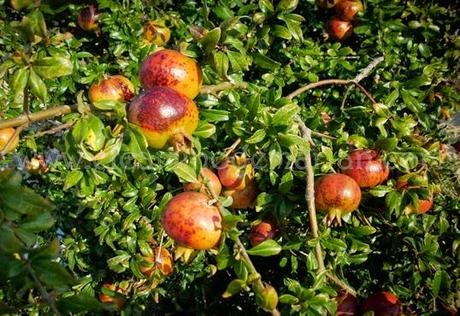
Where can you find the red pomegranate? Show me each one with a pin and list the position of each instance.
(267, 229)
(365, 167)
(235, 172)
(347, 304)
(192, 221)
(348, 9)
(116, 298)
(160, 260)
(88, 18)
(382, 304)
(201, 187)
(336, 194)
(340, 29)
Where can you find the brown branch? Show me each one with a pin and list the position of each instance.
(54, 129)
(37, 116)
(211, 89)
(314, 85)
(231, 149)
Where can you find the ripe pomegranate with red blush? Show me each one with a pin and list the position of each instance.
(348, 9)
(336, 194)
(164, 116)
(201, 187)
(170, 68)
(192, 221)
(340, 29)
(160, 260)
(267, 229)
(382, 304)
(347, 304)
(112, 88)
(366, 168)
(235, 172)
(116, 299)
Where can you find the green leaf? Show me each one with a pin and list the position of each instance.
(72, 178)
(19, 83)
(205, 130)
(38, 222)
(265, 249)
(257, 137)
(37, 86)
(265, 62)
(185, 172)
(53, 67)
(20, 4)
(211, 39)
(234, 287)
(220, 63)
(213, 115)
(285, 115)
(287, 5)
(281, 32)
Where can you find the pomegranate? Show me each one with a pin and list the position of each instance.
(201, 187)
(424, 205)
(339, 29)
(116, 299)
(235, 172)
(5, 136)
(348, 9)
(382, 304)
(347, 304)
(192, 221)
(169, 68)
(113, 88)
(326, 4)
(244, 198)
(156, 33)
(267, 229)
(457, 147)
(365, 167)
(161, 260)
(164, 116)
(88, 18)
(337, 194)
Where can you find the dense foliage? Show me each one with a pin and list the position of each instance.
(106, 190)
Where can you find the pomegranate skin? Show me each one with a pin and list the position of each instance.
(88, 18)
(366, 168)
(348, 9)
(382, 304)
(244, 198)
(192, 222)
(337, 194)
(235, 174)
(118, 301)
(169, 68)
(162, 115)
(113, 88)
(161, 260)
(156, 33)
(201, 187)
(339, 29)
(267, 229)
(5, 135)
(347, 304)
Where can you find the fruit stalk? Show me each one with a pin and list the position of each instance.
(258, 284)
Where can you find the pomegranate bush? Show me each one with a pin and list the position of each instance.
(160, 157)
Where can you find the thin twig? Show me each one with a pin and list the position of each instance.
(341, 284)
(322, 135)
(44, 294)
(211, 89)
(231, 149)
(16, 133)
(54, 129)
(314, 85)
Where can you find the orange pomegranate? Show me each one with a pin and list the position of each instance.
(170, 68)
(5, 136)
(201, 187)
(112, 88)
(244, 198)
(365, 167)
(340, 29)
(235, 172)
(192, 221)
(116, 299)
(156, 33)
(164, 116)
(348, 9)
(88, 18)
(337, 194)
(267, 229)
(160, 260)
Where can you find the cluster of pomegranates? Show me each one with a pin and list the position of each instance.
(380, 304)
(341, 25)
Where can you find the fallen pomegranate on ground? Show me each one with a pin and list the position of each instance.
(192, 221)
(336, 194)
(156, 33)
(235, 172)
(200, 185)
(161, 260)
(116, 298)
(348, 9)
(340, 29)
(382, 304)
(347, 304)
(170, 68)
(112, 88)
(164, 116)
(365, 167)
(266, 229)
(88, 18)
(5, 136)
